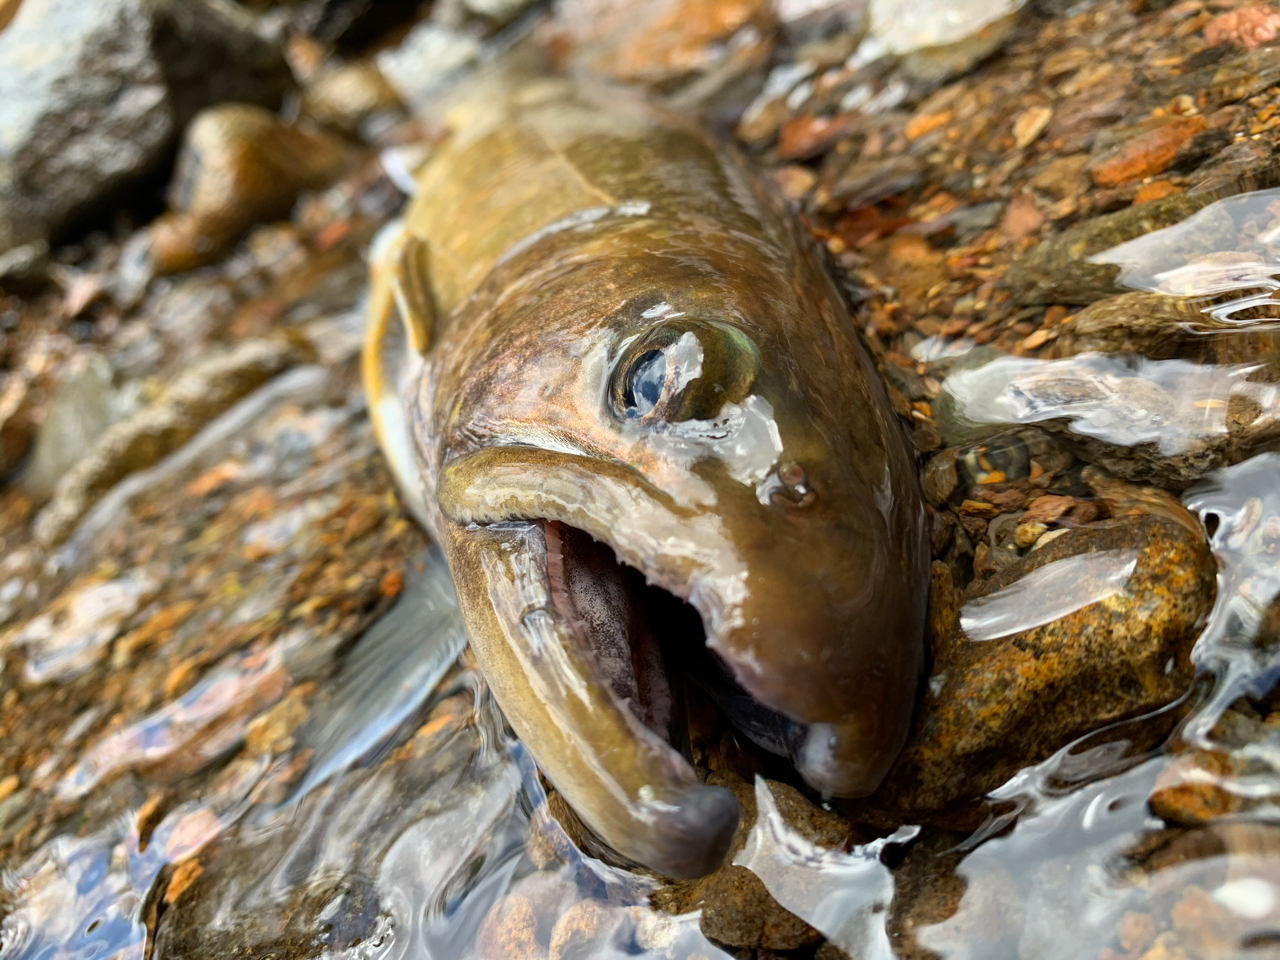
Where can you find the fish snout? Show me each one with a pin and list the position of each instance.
(836, 648)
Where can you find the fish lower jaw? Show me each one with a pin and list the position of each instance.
(548, 613)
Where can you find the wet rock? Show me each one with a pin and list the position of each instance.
(590, 928)
(1145, 155)
(17, 428)
(187, 734)
(344, 96)
(1250, 27)
(869, 182)
(427, 60)
(738, 911)
(272, 731)
(510, 932)
(995, 706)
(72, 635)
(940, 477)
(661, 44)
(806, 137)
(1245, 431)
(811, 21)
(239, 165)
(1163, 327)
(82, 404)
(1245, 165)
(937, 64)
(133, 444)
(93, 96)
(943, 40)
(25, 269)
(983, 908)
(1058, 269)
(1194, 789)
(1063, 177)
(1149, 324)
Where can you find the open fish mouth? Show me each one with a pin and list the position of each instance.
(646, 641)
(590, 596)
(594, 606)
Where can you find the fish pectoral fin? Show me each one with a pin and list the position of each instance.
(411, 286)
(397, 334)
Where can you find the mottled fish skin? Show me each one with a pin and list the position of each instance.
(563, 238)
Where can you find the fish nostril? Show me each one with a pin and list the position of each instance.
(792, 486)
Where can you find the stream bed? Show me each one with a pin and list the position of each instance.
(237, 713)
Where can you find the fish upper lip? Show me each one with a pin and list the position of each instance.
(684, 551)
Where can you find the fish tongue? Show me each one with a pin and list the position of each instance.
(595, 594)
(587, 589)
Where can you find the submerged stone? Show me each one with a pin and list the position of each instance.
(1008, 688)
(737, 908)
(82, 404)
(1060, 270)
(135, 443)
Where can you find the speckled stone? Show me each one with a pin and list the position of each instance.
(1059, 271)
(998, 705)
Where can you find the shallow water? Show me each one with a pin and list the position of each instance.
(387, 812)
(1080, 854)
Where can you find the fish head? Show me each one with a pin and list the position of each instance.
(659, 471)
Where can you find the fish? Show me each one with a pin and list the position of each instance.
(613, 377)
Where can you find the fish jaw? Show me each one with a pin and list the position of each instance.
(631, 788)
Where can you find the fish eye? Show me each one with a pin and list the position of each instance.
(683, 369)
(644, 383)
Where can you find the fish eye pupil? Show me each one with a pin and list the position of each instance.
(645, 382)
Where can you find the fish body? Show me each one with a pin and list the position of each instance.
(613, 377)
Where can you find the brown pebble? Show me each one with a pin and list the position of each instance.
(1146, 154)
(1030, 124)
(1028, 533)
(510, 932)
(1157, 190)
(1189, 791)
(1048, 509)
(923, 124)
(180, 678)
(805, 137)
(979, 509)
(795, 181)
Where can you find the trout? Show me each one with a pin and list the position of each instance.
(614, 380)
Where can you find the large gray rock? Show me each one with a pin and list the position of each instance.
(94, 95)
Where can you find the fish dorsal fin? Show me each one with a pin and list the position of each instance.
(397, 336)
